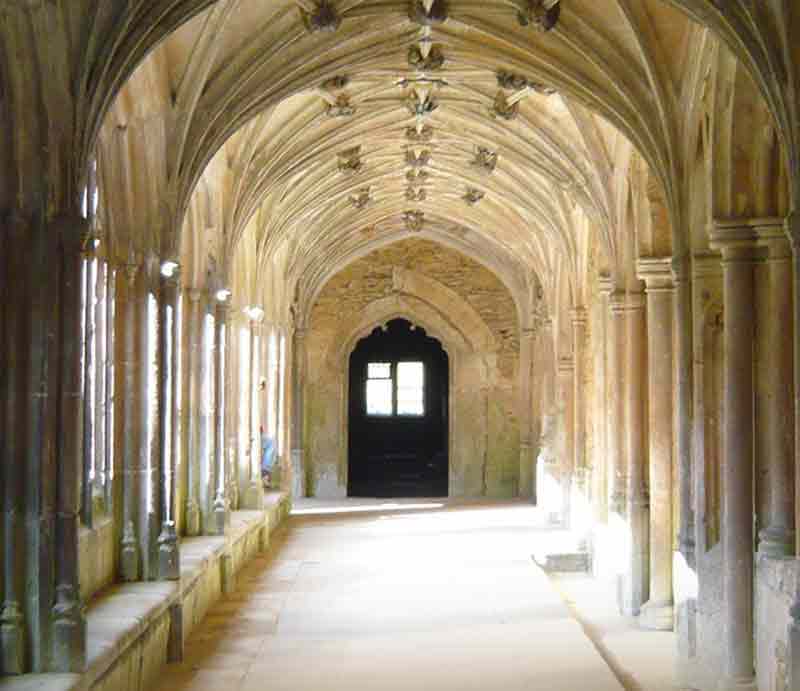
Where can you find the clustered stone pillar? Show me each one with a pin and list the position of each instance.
(776, 418)
(616, 404)
(69, 623)
(683, 405)
(254, 496)
(657, 613)
(221, 508)
(635, 592)
(168, 553)
(12, 635)
(194, 373)
(130, 557)
(298, 379)
(527, 460)
(579, 403)
(738, 256)
(566, 385)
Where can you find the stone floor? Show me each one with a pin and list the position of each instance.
(402, 595)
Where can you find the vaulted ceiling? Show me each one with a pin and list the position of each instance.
(508, 130)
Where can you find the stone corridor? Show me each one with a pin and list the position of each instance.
(411, 595)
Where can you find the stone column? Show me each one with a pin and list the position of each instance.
(600, 461)
(12, 633)
(168, 554)
(87, 317)
(194, 378)
(776, 419)
(566, 376)
(221, 508)
(298, 436)
(637, 582)
(254, 496)
(130, 558)
(737, 244)
(579, 403)
(527, 461)
(657, 613)
(683, 405)
(615, 439)
(69, 623)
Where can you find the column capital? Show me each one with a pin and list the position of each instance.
(529, 333)
(657, 273)
(566, 365)
(772, 234)
(735, 238)
(222, 311)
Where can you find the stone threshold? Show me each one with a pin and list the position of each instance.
(133, 629)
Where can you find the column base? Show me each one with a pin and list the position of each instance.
(12, 640)
(737, 684)
(254, 496)
(221, 516)
(69, 633)
(129, 557)
(192, 518)
(169, 563)
(775, 543)
(657, 616)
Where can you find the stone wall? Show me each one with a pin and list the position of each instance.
(474, 315)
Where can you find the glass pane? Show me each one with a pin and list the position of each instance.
(410, 388)
(379, 397)
(379, 370)
(410, 374)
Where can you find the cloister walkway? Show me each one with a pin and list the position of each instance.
(389, 596)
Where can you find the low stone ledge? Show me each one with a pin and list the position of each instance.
(129, 624)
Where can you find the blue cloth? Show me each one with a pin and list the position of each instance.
(267, 453)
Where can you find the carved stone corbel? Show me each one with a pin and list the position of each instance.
(416, 195)
(341, 108)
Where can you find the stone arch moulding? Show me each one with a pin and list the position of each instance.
(442, 312)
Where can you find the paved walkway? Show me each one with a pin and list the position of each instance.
(384, 597)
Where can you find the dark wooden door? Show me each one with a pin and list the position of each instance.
(402, 450)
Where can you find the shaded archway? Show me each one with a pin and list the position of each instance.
(398, 414)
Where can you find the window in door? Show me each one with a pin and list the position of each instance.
(395, 388)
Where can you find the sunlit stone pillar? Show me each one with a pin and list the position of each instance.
(221, 507)
(12, 633)
(566, 385)
(683, 405)
(615, 439)
(775, 441)
(527, 461)
(581, 471)
(600, 461)
(254, 496)
(194, 376)
(657, 613)
(298, 378)
(637, 584)
(169, 332)
(737, 244)
(130, 557)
